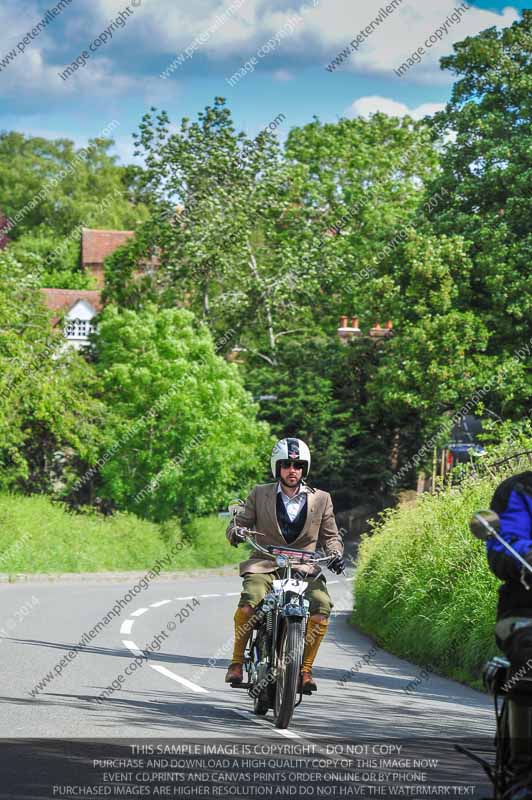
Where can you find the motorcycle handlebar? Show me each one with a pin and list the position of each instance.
(248, 535)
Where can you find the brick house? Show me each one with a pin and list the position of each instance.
(97, 245)
(76, 308)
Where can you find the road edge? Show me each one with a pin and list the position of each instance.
(113, 577)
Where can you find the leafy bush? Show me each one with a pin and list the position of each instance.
(37, 535)
(423, 587)
(183, 430)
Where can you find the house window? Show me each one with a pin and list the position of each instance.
(78, 328)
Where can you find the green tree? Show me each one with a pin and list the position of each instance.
(363, 183)
(237, 249)
(53, 186)
(182, 431)
(486, 173)
(319, 393)
(49, 419)
(276, 246)
(53, 260)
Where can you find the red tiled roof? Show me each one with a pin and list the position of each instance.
(96, 245)
(60, 300)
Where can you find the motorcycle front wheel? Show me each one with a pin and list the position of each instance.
(260, 694)
(289, 658)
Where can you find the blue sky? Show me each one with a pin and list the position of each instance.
(123, 76)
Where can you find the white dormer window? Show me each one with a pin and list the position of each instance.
(78, 329)
(78, 324)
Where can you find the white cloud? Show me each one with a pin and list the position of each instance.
(365, 106)
(410, 27)
(283, 75)
(325, 30)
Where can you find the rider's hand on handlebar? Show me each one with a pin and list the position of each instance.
(336, 564)
(236, 536)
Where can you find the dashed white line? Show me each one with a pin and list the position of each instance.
(133, 647)
(185, 598)
(138, 612)
(183, 681)
(262, 722)
(126, 626)
(160, 603)
(231, 594)
(210, 595)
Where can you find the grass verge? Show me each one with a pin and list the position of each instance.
(423, 588)
(37, 535)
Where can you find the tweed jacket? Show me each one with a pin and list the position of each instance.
(260, 513)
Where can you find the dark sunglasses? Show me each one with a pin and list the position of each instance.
(285, 464)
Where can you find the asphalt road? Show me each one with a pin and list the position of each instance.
(178, 690)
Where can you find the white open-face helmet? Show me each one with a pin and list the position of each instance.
(290, 450)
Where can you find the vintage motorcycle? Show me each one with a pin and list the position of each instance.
(273, 657)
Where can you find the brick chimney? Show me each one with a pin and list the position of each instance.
(347, 332)
(376, 332)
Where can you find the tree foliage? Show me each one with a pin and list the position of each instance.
(49, 417)
(182, 431)
(237, 250)
(55, 187)
(487, 173)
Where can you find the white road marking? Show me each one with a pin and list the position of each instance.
(183, 681)
(262, 722)
(126, 626)
(133, 647)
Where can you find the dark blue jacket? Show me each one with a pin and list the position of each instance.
(516, 525)
(514, 507)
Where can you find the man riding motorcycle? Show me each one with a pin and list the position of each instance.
(512, 502)
(287, 512)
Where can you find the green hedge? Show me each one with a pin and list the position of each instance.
(423, 588)
(37, 535)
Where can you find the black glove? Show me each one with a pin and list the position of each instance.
(236, 538)
(336, 564)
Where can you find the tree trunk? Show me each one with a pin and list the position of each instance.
(394, 455)
(267, 306)
(206, 307)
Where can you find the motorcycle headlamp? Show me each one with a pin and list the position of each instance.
(281, 561)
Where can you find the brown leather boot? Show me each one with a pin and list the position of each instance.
(235, 673)
(308, 684)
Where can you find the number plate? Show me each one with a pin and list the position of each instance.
(290, 585)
